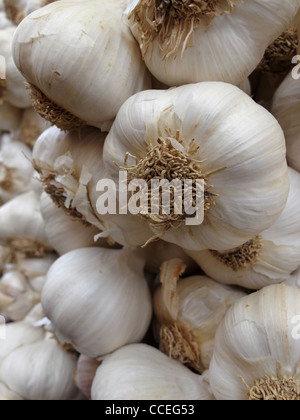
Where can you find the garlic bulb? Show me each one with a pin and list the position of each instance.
(10, 116)
(141, 372)
(98, 61)
(15, 170)
(98, 299)
(17, 10)
(22, 227)
(31, 127)
(34, 365)
(286, 108)
(268, 258)
(64, 233)
(256, 354)
(198, 133)
(14, 90)
(70, 165)
(188, 313)
(158, 252)
(184, 42)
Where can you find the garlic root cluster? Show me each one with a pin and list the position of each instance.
(100, 301)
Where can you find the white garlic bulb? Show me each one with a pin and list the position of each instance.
(98, 299)
(16, 170)
(17, 10)
(141, 372)
(34, 365)
(10, 116)
(188, 313)
(192, 41)
(22, 227)
(286, 107)
(268, 258)
(198, 132)
(64, 233)
(256, 354)
(98, 60)
(14, 91)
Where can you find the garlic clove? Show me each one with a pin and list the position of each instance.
(141, 372)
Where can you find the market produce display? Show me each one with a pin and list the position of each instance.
(149, 200)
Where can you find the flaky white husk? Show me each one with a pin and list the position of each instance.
(188, 312)
(16, 93)
(216, 50)
(115, 308)
(71, 164)
(255, 340)
(286, 108)
(16, 170)
(65, 233)
(248, 172)
(141, 372)
(94, 57)
(21, 285)
(10, 117)
(21, 219)
(33, 364)
(278, 257)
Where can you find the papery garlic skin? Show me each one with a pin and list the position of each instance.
(286, 107)
(115, 294)
(70, 166)
(112, 69)
(269, 258)
(8, 395)
(193, 121)
(141, 372)
(212, 49)
(15, 92)
(85, 374)
(15, 170)
(188, 313)
(257, 340)
(65, 233)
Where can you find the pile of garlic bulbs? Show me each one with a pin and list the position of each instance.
(106, 292)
